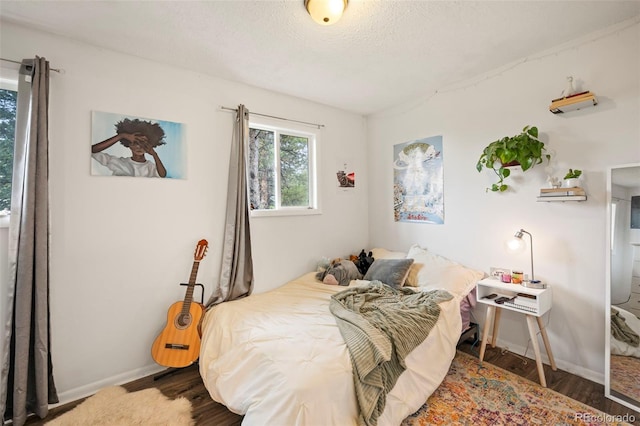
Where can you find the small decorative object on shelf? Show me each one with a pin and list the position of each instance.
(554, 182)
(516, 278)
(569, 90)
(562, 194)
(572, 178)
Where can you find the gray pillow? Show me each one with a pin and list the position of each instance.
(392, 272)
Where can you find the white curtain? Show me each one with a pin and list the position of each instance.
(236, 272)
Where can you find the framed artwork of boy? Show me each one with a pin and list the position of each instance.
(123, 145)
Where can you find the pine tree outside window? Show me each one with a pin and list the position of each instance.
(8, 101)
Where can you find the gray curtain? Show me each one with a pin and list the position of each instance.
(27, 379)
(236, 272)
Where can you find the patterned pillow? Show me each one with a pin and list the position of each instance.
(392, 272)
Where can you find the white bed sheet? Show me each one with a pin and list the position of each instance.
(278, 358)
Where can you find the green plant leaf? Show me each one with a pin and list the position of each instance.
(508, 155)
(524, 148)
(573, 174)
(526, 162)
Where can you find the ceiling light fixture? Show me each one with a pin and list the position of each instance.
(325, 12)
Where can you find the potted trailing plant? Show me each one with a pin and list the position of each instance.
(524, 149)
(571, 179)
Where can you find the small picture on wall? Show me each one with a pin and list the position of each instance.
(123, 145)
(418, 181)
(345, 174)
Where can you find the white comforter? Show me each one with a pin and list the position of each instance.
(279, 359)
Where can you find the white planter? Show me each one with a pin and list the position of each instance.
(571, 183)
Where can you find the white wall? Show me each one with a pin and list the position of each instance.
(569, 238)
(120, 246)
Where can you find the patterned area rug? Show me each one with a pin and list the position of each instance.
(114, 406)
(489, 395)
(625, 375)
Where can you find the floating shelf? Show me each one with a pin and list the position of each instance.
(573, 102)
(562, 194)
(563, 198)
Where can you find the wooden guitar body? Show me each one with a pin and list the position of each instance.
(178, 345)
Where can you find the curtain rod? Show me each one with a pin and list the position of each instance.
(20, 63)
(620, 199)
(277, 118)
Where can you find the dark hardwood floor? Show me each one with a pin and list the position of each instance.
(186, 382)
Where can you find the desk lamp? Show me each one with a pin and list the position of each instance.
(517, 245)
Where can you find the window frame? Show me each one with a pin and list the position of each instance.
(9, 76)
(293, 129)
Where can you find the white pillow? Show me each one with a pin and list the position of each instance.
(382, 253)
(432, 272)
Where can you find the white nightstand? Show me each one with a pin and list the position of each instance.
(531, 302)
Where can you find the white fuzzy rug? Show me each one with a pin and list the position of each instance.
(114, 406)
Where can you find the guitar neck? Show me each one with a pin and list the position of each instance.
(188, 298)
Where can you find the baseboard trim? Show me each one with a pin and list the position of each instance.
(91, 388)
(594, 376)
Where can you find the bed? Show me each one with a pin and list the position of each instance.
(279, 358)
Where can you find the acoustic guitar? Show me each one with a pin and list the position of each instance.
(178, 345)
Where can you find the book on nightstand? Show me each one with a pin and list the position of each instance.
(523, 304)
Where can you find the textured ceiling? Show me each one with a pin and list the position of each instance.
(380, 54)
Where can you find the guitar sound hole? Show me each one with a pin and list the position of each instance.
(183, 321)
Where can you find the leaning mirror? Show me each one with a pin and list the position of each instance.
(622, 357)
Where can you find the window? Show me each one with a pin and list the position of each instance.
(8, 101)
(282, 172)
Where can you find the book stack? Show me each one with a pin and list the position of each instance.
(573, 102)
(523, 303)
(562, 194)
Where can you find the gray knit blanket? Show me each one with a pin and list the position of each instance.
(621, 331)
(381, 326)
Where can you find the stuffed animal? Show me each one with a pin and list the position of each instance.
(340, 272)
(323, 264)
(364, 261)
